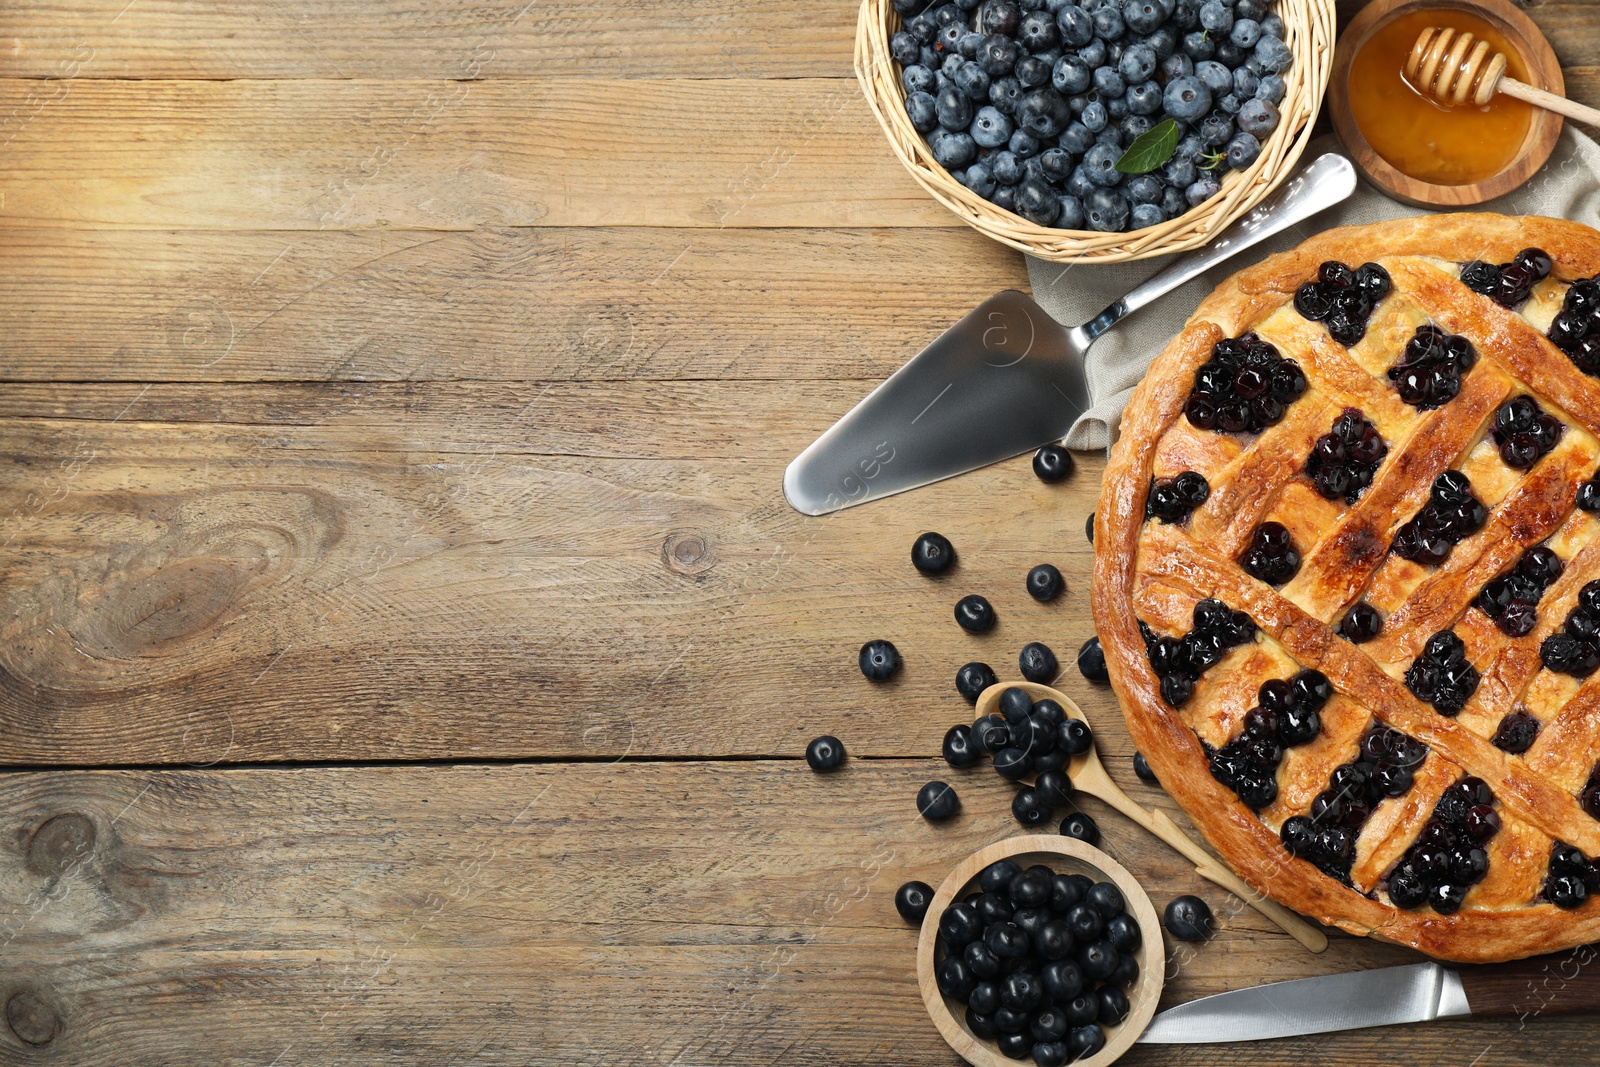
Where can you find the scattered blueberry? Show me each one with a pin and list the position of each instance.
(1052, 463)
(912, 899)
(975, 614)
(1188, 918)
(879, 660)
(933, 554)
(958, 749)
(826, 753)
(1080, 826)
(1088, 523)
(1142, 769)
(1044, 583)
(973, 678)
(1037, 663)
(1092, 662)
(936, 802)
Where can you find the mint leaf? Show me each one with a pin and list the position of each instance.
(1150, 149)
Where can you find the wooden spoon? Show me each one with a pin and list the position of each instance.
(1449, 66)
(1089, 776)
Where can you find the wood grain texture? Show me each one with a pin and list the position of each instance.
(340, 571)
(628, 304)
(395, 40)
(593, 914)
(336, 154)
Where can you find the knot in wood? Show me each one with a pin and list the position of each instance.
(687, 552)
(31, 1019)
(59, 842)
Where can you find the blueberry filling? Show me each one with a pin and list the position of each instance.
(1516, 732)
(1385, 767)
(1287, 714)
(1271, 556)
(1173, 499)
(1576, 649)
(1430, 368)
(1179, 662)
(1361, 623)
(1244, 387)
(1570, 877)
(1589, 494)
(1342, 299)
(1442, 676)
(1451, 515)
(1343, 460)
(1589, 795)
(1512, 599)
(1507, 284)
(1524, 432)
(1576, 328)
(1450, 856)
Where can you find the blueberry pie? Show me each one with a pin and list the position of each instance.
(1347, 580)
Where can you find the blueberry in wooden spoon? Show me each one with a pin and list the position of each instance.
(974, 614)
(879, 660)
(973, 678)
(912, 899)
(1045, 583)
(826, 753)
(933, 553)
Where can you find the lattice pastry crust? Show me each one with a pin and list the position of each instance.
(1151, 571)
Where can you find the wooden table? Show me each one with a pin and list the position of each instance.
(407, 652)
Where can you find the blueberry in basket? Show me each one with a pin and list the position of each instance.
(1101, 114)
(1041, 961)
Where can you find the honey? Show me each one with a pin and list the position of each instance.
(1416, 134)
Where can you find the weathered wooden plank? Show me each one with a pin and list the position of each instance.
(307, 155)
(622, 914)
(340, 571)
(520, 304)
(394, 40)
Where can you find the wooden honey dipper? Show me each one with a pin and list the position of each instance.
(1452, 66)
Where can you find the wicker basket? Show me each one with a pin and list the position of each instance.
(1309, 26)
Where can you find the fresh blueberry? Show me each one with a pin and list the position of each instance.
(936, 802)
(1015, 704)
(972, 679)
(1108, 23)
(878, 660)
(1043, 112)
(1032, 72)
(1245, 33)
(1023, 144)
(1107, 210)
(1075, 26)
(1100, 163)
(954, 108)
(1108, 83)
(954, 978)
(1006, 95)
(1038, 31)
(912, 899)
(1273, 55)
(1080, 826)
(1172, 201)
(1005, 197)
(1144, 189)
(958, 749)
(921, 111)
(1179, 173)
(1229, 54)
(1258, 118)
(975, 614)
(1084, 1041)
(1137, 64)
(1145, 215)
(1216, 16)
(1143, 16)
(1038, 202)
(1144, 99)
(1198, 46)
(1188, 918)
(1229, 104)
(1245, 82)
(1142, 769)
(952, 150)
(1071, 216)
(977, 178)
(918, 79)
(1214, 76)
(1203, 189)
(1001, 16)
(990, 129)
(1037, 663)
(1092, 662)
(1177, 65)
(1243, 150)
(1045, 583)
(1006, 167)
(1053, 787)
(826, 753)
(973, 83)
(1187, 99)
(1028, 809)
(904, 48)
(1052, 463)
(1094, 117)
(1272, 26)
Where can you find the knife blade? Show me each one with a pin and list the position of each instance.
(1413, 993)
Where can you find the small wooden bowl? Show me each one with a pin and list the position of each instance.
(1544, 71)
(1067, 856)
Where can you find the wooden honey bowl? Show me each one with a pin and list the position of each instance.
(1524, 44)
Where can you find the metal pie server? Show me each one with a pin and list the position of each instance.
(1008, 378)
(1563, 984)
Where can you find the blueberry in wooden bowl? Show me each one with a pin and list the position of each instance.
(1079, 999)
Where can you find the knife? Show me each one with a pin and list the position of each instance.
(1008, 378)
(1562, 984)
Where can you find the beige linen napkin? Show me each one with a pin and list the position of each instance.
(1568, 186)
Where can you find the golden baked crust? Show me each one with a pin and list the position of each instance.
(1153, 571)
